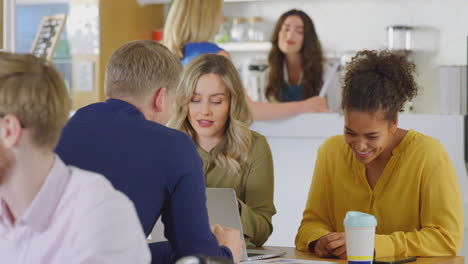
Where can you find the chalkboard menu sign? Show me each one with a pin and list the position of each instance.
(48, 36)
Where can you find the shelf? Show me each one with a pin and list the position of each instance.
(234, 1)
(246, 46)
(41, 2)
(153, 2)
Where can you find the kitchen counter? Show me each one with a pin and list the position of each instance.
(292, 253)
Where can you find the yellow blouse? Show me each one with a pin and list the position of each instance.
(416, 200)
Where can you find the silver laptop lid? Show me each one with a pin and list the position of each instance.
(223, 210)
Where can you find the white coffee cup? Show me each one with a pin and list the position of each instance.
(360, 235)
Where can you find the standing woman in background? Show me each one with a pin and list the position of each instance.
(189, 29)
(211, 108)
(295, 60)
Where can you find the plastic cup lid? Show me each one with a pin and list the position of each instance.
(358, 219)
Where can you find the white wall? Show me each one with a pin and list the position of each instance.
(350, 25)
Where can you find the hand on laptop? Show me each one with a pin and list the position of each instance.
(230, 238)
(332, 244)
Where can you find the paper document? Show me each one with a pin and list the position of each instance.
(328, 77)
(289, 261)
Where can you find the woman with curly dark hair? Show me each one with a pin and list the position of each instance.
(402, 177)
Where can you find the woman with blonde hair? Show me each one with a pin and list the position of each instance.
(211, 108)
(189, 28)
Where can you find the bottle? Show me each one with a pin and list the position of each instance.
(223, 32)
(256, 33)
(239, 30)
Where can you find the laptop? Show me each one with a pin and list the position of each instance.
(223, 210)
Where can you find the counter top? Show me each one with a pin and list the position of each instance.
(448, 129)
(292, 253)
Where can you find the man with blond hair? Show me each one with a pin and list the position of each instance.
(125, 139)
(51, 213)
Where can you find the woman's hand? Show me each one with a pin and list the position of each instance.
(315, 104)
(332, 244)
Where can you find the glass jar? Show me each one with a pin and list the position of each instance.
(256, 32)
(239, 30)
(223, 34)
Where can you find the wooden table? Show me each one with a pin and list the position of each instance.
(292, 253)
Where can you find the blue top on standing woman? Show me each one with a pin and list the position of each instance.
(194, 49)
